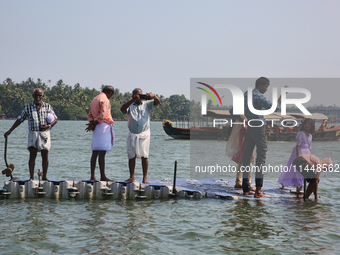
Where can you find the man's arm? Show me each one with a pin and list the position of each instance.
(266, 104)
(263, 103)
(279, 100)
(125, 106)
(18, 121)
(54, 122)
(45, 127)
(15, 125)
(156, 100)
(93, 122)
(48, 126)
(91, 125)
(103, 110)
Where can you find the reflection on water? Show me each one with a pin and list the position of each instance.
(207, 226)
(245, 226)
(250, 221)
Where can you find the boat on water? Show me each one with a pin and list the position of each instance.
(322, 133)
(275, 131)
(195, 132)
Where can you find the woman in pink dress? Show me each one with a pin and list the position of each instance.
(290, 176)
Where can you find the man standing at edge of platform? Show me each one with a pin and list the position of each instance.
(39, 137)
(256, 136)
(138, 139)
(103, 136)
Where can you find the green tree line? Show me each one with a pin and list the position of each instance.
(73, 103)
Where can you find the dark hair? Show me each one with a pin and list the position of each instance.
(108, 89)
(312, 124)
(261, 81)
(133, 91)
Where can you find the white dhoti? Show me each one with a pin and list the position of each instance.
(137, 145)
(41, 140)
(103, 137)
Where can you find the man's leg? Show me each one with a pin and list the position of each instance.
(310, 189)
(101, 162)
(132, 164)
(313, 188)
(247, 154)
(249, 181)
(316, 189)
(44, 157)
(239, 175)
(145, 165)
(93, 165)
(260, 139)
(31, 162)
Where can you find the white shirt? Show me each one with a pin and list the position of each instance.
(139, 116)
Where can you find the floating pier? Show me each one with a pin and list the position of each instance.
(156, 189)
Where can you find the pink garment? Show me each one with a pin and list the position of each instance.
(315, 161)
(238, 157)
(293, 177)
(100, 109)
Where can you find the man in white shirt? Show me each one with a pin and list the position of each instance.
(138, 139)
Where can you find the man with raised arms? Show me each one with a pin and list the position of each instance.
(138, 139)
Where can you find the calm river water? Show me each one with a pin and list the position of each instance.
(206, 226)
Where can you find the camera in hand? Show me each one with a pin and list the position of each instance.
(142, 96)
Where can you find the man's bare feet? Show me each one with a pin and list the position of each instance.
(93, 179)
(130, 180)
(248, 193)
(145, 181)
(105, 179)
(259, 195)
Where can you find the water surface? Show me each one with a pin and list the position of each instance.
(206, 226)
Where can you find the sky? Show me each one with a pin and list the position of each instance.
(159, 45)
